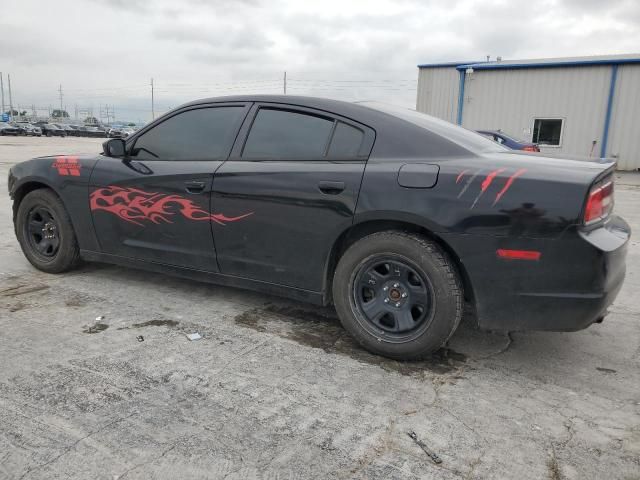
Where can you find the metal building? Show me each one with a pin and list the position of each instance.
(587, 106)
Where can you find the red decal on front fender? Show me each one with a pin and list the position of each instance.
(138, 206)
(67, 166)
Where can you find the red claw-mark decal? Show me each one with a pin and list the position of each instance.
(138, 206)
(486, 183)
(67, 166)
(460, 175)
(508, 184)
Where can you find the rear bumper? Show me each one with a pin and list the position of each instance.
(576, 279)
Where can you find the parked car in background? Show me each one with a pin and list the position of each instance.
(8, 129)
(509, 141)
(67, 128)
(127, 131)
(94, 132)
(115, 133)
(52, 130)
(29, 130)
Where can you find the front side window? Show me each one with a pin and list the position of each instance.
(547, 131)
(283, 134)
(200, 134)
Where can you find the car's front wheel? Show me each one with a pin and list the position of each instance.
(45, 232)
(398, 294)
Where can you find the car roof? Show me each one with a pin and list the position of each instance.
(393, 125)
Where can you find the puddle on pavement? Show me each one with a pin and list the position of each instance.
(96, 328)
(322, 329)
(152, 323)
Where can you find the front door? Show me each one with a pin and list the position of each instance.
(154, 204)
(297, 173)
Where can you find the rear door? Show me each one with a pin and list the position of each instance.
(297, 172)
(153, 205)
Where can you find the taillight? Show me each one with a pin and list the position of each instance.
(599, 202)
(531, 148)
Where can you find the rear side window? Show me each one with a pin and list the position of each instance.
(282, 134)
(202, 134)
(346, 141)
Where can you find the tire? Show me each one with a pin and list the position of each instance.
(43, 208)
(410, 274)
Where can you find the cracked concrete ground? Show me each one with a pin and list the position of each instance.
(276, 389)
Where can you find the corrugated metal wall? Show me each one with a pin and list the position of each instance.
(624, 129)
(511, 99)
(438, 92)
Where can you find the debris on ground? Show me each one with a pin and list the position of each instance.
(423, 446)
(96, 328)
(140, 338)
(194, 336)
(100, 318)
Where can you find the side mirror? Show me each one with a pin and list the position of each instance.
(114, 148)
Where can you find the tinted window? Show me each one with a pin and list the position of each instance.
(202, 134)
(346, 141)
(280, 134)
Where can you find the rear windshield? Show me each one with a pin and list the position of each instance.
(467, 139)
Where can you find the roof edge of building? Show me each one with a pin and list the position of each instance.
(523, 64)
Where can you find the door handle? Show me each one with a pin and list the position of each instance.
(195, 186)
(331, 188)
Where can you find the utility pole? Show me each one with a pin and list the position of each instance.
(153, 108)
(2, 90)
(10, 98)
(284, 84)
(60, 92)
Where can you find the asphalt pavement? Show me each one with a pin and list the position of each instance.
(276, 389)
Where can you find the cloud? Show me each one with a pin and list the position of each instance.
(107, 50)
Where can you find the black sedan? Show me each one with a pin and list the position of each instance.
(394, 217)
(90, 131)
(8, 129)
(52, 130)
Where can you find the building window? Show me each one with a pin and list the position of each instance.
(547, 131)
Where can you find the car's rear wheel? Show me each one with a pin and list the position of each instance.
(398, 294)
(45, 232)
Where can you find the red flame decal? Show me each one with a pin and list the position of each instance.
(138, 206)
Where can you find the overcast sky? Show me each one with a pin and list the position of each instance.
(106, 51)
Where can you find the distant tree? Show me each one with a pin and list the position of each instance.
(91, 121)
(13, 112)
(131, 124)
(59, 114)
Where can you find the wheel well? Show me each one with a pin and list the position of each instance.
(361, 230)
(22, 192)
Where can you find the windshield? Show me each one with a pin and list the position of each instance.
(461, 136)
